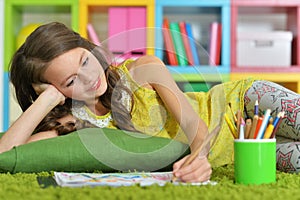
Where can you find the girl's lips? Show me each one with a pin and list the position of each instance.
(96, 85)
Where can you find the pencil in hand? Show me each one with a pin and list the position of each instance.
(199, 150)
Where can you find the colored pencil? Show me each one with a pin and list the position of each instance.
(256, 108)
(231, 127)
(268, 131)
(253, 127)
(277, 118)
(264, 124)
(242, 132)
(235, 119)
(239, 120)
(276, 125)
(248, 128)
(258, 125)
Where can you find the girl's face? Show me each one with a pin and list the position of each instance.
(77, 74)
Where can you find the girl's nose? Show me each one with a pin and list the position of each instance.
(85, 77)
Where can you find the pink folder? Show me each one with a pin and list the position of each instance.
(117, 30)
(137, 31)
(127, 33)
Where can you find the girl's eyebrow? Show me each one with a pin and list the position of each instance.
(81, 57)
(79, 63)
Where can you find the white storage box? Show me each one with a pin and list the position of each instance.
(271, 49)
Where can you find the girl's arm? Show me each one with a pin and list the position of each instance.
(21, 130)
(42, 135)
(151, 72)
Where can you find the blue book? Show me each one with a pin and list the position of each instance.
(192, 44)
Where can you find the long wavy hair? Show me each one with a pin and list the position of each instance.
(32, 59)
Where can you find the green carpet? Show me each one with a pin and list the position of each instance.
(25, 186)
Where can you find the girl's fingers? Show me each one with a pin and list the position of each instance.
(179, 163)
(198, 171)
(39, 88)
(54, 95)
(196, 176)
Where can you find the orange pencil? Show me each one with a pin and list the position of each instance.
(259, 122)
(253, 127)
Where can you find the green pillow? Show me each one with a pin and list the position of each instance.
(95, 149)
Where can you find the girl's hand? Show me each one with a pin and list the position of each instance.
(198, 171)
(50, 92)
(39, 88)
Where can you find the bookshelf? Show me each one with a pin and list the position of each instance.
(279, 15)
(19, 13)
(200, 14)
(96, 12)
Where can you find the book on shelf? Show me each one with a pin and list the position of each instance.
(215, 43)
(169, 46)
(186, 43)
(193, 44)
(92, 34)
(178, 43)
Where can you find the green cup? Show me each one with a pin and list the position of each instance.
(255, 161)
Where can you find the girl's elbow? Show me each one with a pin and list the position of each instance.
(4, 148)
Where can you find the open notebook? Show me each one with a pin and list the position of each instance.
(65, 179)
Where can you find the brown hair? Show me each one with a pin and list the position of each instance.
(33, 57)
(50, 122)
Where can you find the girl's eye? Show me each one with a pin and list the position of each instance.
(71, 82)
(85, 62)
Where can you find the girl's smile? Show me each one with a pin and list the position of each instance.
(96, 85)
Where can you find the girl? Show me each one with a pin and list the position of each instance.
(60, 78)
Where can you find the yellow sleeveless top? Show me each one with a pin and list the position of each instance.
(150, 116)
